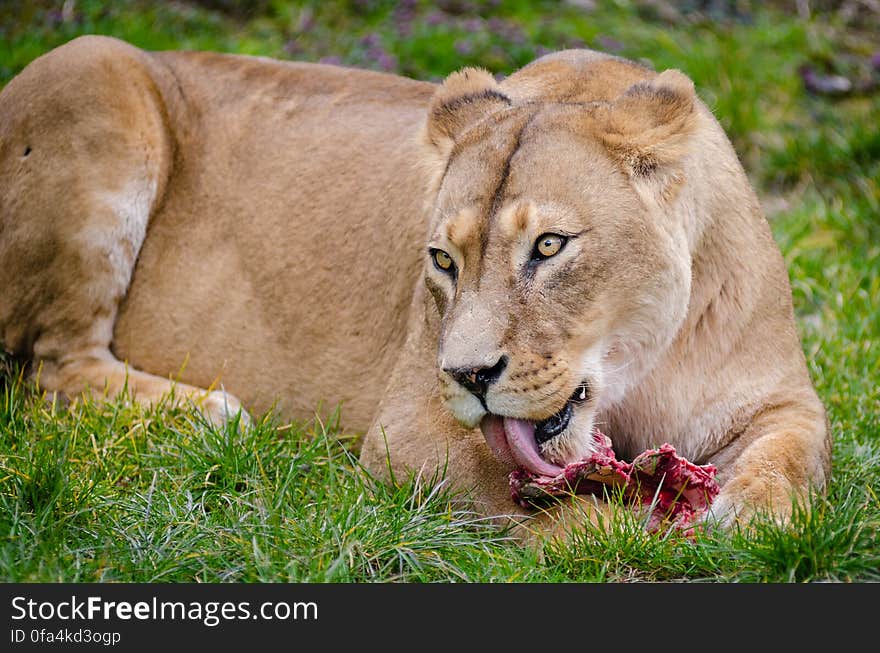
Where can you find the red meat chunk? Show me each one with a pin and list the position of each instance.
(676, 490)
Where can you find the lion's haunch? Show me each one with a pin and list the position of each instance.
(677, 490)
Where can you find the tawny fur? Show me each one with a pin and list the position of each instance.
(245, 229)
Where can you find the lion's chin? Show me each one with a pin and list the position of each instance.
(466, 409)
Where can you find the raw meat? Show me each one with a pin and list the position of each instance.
(676, 490)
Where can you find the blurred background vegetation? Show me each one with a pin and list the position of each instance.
(759, 65)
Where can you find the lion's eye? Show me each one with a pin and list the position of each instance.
(442, 260)
(548, 245)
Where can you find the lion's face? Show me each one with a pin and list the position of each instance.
(556, 286)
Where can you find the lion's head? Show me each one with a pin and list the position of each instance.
(557, 255)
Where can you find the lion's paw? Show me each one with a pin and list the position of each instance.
(220, 408)
(743, 499)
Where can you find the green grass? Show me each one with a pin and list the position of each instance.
(110, 492)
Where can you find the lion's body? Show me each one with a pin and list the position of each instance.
(263, 225)
(269, 236)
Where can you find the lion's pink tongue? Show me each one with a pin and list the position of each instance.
(513, 443)
(524, 447)
(492, 427)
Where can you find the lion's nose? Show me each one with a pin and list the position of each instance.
(478, 379)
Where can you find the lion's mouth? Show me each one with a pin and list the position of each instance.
(517, 441)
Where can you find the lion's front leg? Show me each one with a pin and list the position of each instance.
(774, 465)
(414, 433)
(416, 436)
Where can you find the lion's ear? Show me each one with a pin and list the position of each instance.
(649, 125)
(463, 98)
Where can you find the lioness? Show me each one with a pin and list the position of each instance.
(481, 272)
